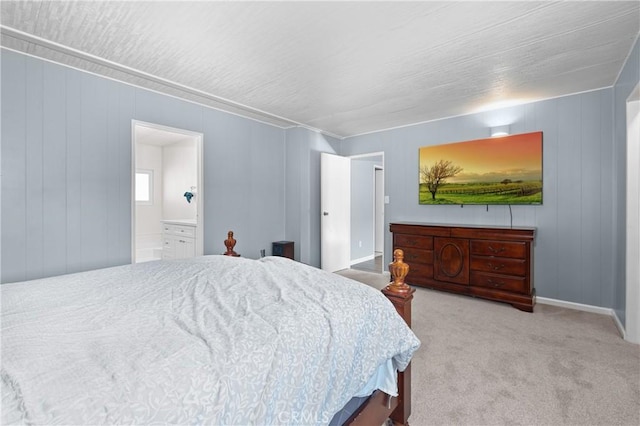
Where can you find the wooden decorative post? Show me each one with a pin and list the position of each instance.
(400, 294)
(381, 406)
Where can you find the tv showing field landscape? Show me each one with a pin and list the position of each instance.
(502, 170)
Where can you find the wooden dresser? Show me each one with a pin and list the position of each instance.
(494, 263)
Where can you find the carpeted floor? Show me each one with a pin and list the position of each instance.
(486, 363)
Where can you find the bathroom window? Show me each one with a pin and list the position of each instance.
(144, 187)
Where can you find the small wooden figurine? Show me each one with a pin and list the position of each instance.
(230, 243)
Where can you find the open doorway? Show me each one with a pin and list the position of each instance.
(167, 193)
(367, 212)
(352, 224)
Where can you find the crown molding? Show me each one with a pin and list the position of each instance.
(30, 44)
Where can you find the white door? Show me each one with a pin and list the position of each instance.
(335, 206)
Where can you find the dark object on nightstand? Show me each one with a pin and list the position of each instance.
(283, 249)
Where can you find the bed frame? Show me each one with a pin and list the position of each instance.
(381, 406)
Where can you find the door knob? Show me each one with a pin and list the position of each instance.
(325, 213)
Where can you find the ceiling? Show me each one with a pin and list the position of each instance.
(159, 137)
(344, 68)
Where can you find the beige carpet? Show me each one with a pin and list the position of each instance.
(486, 363)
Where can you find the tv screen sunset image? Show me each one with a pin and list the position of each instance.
(502, 170)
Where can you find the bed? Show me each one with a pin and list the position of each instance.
(208, 340)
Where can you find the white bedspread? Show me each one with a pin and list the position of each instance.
(210, 340)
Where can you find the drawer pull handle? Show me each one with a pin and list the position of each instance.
(182, 241)
(495, 267)
(412, 256)
(495, 283)
(496, 250)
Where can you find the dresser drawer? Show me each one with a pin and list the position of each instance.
(499, 265)
(415, 256)
(404, 240)
(513, 249)
(418, 273)
(499, 282)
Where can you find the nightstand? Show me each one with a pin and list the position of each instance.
(282, 248)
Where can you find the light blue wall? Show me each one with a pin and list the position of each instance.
(66, 164)
(297, 192)
(66, 170)
(627, 80)
(574, 256)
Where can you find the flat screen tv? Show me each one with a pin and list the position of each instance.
(499, 170)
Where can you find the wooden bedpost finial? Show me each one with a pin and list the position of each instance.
(230, 243)
(399, 271)
(400, 294)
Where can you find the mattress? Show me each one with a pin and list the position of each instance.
(214, 339)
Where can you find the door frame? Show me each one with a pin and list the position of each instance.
(378, 233)
(376, 154)
(199, 142)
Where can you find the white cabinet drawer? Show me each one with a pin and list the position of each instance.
(181, 230)
(168, 243)
(168, 247)
(185, 231)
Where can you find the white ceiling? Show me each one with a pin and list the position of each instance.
(159, 137)
(344, 68)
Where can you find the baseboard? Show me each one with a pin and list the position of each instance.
(586, 308)
(363, 259)
(621, 330)
(576, 306)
